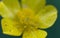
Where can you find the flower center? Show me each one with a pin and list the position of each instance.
(28, 18)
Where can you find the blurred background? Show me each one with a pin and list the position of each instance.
(53, 32)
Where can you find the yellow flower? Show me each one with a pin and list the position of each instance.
(28, 20)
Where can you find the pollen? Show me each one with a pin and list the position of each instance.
(28, 18)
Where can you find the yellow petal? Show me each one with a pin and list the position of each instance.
(12, 4)
(11, 27)
(4, 11)
(36, 5)
(47, 16)
(34, 34)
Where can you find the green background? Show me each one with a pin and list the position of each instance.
(53, 32)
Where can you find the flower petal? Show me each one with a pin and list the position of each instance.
(4, 11)
(36, 5)
(11, 27)
(12, 4)
(34, 34)
(47, 16)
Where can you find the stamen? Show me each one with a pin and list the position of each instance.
(26, 18)
(25, 26)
